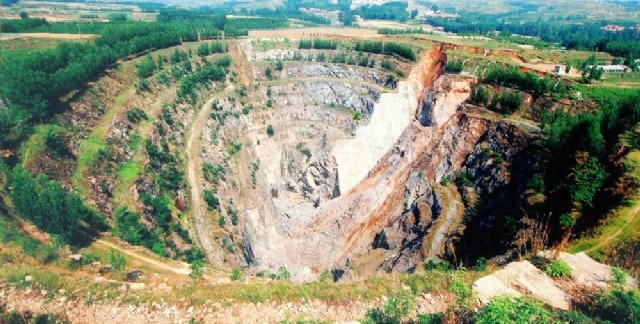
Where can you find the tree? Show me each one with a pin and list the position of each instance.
(279, 65)
(270, 130)
(268, 73)
(146, 67)
(24, 15)
(203, 50)
(117, 260)
(586, 180)
(197, 269)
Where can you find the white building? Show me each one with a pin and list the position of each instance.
(613, 68)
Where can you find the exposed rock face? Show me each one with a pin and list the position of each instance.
(316, 70)
(497, 173)
(355, 97)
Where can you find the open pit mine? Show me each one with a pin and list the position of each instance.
(319, 190)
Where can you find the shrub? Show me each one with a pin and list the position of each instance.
(222, 221)
(465, 179)
(233, 214)
(536, 183)
(620, 306)
(462, 291)
(392, 313)
(270, 130)
(117, 260)
(136, 115)
(558, 268)
(284, 274)
(436, 318)
(481, 264)
(387, 65)
(512, 310)
(619, 276)
(30, 246)
(236, 275)
(56, 143)
(197, 269)
(326, 276)
(432, 265)
(212, 200)
(453, 66)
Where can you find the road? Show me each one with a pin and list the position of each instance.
(203, 223)
(183, 269)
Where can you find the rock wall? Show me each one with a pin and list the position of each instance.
(391, 116)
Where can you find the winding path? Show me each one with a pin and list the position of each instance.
(203, 223)
(183, 269)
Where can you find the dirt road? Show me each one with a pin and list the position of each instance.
(203, 223)
(177, 268)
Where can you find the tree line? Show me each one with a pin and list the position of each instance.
(386, 48)
(318, 44)
(587, 36)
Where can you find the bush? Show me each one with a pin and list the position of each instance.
(558, 268)
(212, 200)
(453, 66)
(387, 65)
(117, 260)
(326, 276)
(512, 310)
(432, 265)
(481, 264)
(619, 276)
(284, 274)
(197, 269)
(236, 275)
(136, 115)
(270, 131)
(619, 306)
(392, 313)
(462, 291)
(436, 318)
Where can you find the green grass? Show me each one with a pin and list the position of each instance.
(130, 171)
(95, 143)
(617, 78)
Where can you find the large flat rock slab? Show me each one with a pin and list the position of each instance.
(590, 274)
(522, 278)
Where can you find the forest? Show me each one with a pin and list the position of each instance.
(575, 172)
(396, 11)
(587, 36)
